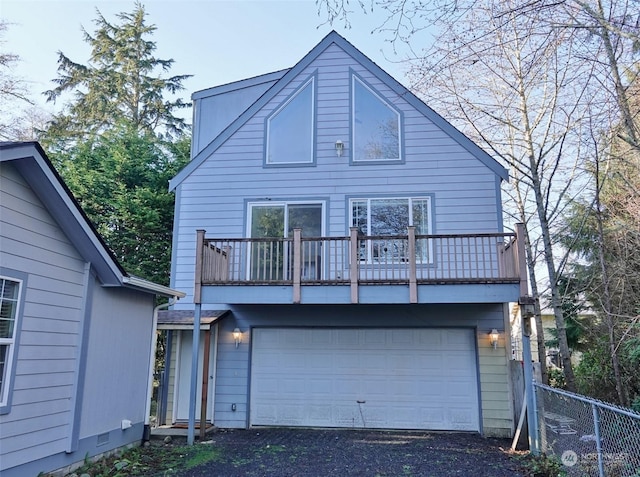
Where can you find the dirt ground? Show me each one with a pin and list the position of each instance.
(306, 452)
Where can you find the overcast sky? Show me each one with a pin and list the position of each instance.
(216, 41)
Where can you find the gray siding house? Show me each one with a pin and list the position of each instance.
(76, 331)
(346, 243)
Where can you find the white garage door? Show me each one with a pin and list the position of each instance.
(369, 378)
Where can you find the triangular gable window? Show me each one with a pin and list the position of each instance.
(376, 126)
(290, 129)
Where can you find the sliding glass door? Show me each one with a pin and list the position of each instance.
(273, 223)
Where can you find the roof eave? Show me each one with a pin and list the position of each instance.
(32, 163)
(151, 287)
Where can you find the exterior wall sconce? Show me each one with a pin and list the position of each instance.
(339, 148)
(237, 336)
(494, 336)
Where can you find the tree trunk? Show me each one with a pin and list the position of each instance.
(543, 218)
(561, 326)
(606, 294)
(531, 264)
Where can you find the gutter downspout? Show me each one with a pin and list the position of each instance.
(152, 360)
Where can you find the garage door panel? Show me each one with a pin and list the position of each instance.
(265, 413)
(267, 338)
(374, 378)
(347, 388)
(319, 415)
(430, 340)
(320, 387)
(400, 338)
(461, 417)
(375, 387)
(433, 418)
(455, 341)
(458, 390)
(347, 340)
(320, 337)
(458, 362)
(267, 386)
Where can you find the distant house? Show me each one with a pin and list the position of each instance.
(346, 246)
(76, 330)
(552, 358)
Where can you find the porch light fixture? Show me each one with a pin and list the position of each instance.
(237, 336)
(494, 336)
(339, 148)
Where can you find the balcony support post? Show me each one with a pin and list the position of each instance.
(197, 289)
(195, 343)
(521, 260)
(297, 269)
(353, 263)
(413, 285)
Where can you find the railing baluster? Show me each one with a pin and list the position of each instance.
(475, 242)
(484, 261)
(376, 259)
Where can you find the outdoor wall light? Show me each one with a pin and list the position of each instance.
(494, 336)
(237, 336)
(339, 147)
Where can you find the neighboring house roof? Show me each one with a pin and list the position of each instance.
(236, 85)
(35, 167)
(335, 38)
(183, 319)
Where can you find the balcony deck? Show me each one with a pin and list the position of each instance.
(464, 268)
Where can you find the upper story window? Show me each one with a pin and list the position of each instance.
(390, 217)
(376, 126)
(9, 300)
(290, 129)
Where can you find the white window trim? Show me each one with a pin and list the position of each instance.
(11, 342)
(310, 81)
(409, 199)
(355, 78)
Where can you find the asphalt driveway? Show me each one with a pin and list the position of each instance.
(308, 452)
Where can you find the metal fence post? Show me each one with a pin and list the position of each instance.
(529, 389)
(576, 422)
(596, 426)
(526, 313)
(536, 423)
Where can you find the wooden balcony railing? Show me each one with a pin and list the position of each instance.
(367, 260)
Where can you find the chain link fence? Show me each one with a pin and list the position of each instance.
(589, 437)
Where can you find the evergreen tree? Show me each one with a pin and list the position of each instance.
(118, 141)
(120, 180)
(120, 82)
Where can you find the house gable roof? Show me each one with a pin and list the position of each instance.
(393, 84)
(32, 163)
(241, 84)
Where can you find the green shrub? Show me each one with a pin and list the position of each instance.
(556, 378)
(543, 466)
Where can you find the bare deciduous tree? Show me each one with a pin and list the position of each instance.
(517, 100)
(14, 95)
